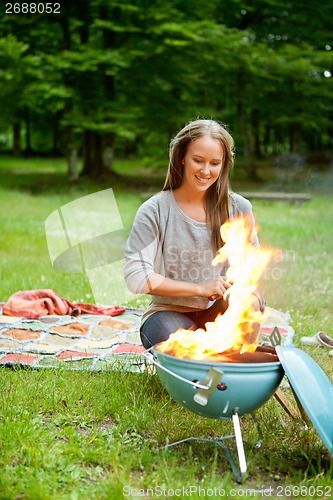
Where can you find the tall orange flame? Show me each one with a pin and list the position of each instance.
(233, 329)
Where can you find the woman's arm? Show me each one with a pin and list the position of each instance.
(157, 284)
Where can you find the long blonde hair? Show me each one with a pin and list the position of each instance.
(217, 196)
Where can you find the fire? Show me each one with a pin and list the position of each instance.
(235, 329)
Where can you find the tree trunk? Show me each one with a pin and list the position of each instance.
(98, 148)
(248, 146)
(87, 153)
(256, 132)
(17, 138)
(56, 136)
(267, 139)
(98, 155)
(71, 154)
(109, 42)
(71, 150)
(295, 137)
(28, 149)
(93, 164)
(107, 151)
(278, 140)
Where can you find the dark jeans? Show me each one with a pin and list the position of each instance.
(159, 326)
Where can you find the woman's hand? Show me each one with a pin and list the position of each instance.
(214, 289)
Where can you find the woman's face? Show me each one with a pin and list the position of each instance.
(202, 163)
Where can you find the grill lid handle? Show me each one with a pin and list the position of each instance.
(210, 382)
(207, 387)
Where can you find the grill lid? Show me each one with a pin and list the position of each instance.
(313, 389)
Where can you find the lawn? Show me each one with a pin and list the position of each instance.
(77, 435)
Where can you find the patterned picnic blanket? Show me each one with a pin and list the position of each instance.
(92, 342)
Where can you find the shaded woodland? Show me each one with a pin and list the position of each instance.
(105, 79)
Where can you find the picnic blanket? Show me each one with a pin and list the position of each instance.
(35, 303)
(92, 341)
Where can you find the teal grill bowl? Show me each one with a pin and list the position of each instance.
(245, 386)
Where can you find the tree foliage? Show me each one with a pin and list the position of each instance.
(110, 77)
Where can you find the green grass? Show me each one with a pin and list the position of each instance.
(77, 435)
(27, 199)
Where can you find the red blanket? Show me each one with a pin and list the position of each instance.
(35, 303)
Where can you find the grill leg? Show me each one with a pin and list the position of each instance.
(240, 448)
(260, 438)
(239, 443)
(238, 473)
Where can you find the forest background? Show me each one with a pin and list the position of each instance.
(103, 79)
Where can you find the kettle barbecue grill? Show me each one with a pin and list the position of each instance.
(229, 390)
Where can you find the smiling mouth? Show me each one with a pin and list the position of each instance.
(203, 180)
